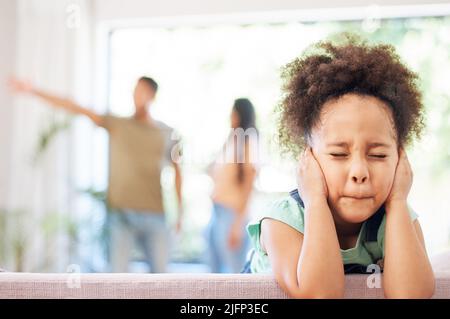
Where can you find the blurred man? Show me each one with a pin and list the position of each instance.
(139, 145)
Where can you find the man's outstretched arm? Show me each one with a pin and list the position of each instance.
(56, 101)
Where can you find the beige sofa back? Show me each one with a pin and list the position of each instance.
(189, 286)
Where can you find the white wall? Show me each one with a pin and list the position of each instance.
(7, 53)
(119, 9)
(107, 10)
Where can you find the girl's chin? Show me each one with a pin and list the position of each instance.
(355, 215)
(355, 219)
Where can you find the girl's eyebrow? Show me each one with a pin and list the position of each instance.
(340, 144)
(378, 144)
(371, 145)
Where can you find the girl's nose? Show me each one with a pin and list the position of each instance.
(359, 179)
(358, 171)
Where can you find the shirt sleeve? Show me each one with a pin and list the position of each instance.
(285, 210)
(412, 213)
(107, 121)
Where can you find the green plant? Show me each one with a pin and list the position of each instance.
(48, 135)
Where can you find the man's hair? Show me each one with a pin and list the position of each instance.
(330, 70)
(150, 82)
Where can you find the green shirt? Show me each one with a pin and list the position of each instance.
(288, 211)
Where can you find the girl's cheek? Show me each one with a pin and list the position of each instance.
(385, 179)
(336, 174)
(334, 178)
(389, 172)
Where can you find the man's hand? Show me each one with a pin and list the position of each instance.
(18, 86)
(310, 180)
(402, 180)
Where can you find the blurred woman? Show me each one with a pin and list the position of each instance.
(233, 174)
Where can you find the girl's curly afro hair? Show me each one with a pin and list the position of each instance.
(331, 70)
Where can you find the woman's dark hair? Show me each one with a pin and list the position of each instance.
(329, 70)
(150, 82)
(247, 120)
(246, 113)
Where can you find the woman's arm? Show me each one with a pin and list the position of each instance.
(178, 189)
(407, 270)
(56, 101)
(235, 236)
(309, 265)
(249, 176)
(246, 187)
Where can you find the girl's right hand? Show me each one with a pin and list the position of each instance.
(312, 186)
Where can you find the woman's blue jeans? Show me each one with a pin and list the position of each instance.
(222, 259)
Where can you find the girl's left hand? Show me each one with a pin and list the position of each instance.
(402, 180)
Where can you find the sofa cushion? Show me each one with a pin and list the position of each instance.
(184, 286)
(441, 262)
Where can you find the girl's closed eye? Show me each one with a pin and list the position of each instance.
(338, 154)
(380, 156)
(342, 155)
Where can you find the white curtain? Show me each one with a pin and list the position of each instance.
(53, 52)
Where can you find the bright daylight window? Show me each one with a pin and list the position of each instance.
(201, 70)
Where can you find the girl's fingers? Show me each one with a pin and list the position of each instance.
(407, 163)
(403, 162)
(403, 154)
(403, 157)
(302, 158)
(307, 151)
(311, 154)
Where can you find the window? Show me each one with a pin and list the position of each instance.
(201, 70)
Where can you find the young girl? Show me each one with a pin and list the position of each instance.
(349, 109)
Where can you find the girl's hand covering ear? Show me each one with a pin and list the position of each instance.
(310, 180)
(402, 180)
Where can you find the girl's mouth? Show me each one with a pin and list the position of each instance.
(358, 197)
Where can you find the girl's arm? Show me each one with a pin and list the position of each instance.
(407, 270)
(309, 265)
